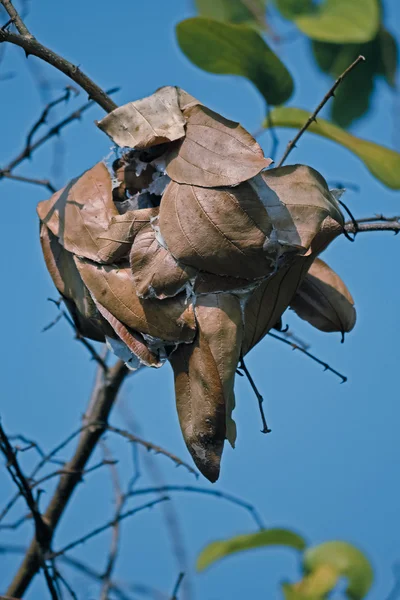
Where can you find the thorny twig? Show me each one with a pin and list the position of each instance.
(53, 131)
(259, 397)
(312, 118)
(24, 39)
(304, 351)
(378, 223)
(149, 446)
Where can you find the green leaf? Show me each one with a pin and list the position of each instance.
(341, 21)
(388, 54)
(234, 11)
(381, 59)
(382, 162)
(235, 50)
(347, 560)
(266, 537)
(291, 9)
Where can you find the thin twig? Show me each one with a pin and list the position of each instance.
(312, 118)
(208, 492)
(24, 39)
(259, 397)
(42, 538)
(53, 131)
(103, 398)
(177, 586)
(152, 447)
(317, 360)
(106, 526)
(91, 349)
(42, 182)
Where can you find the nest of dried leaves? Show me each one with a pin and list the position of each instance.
(188, 249)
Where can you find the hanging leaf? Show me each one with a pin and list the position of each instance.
(219, 317)
(155, 271)
(341, 21)
(324, 300)
(215, 151)
(231, 227)
(200, 404)
(382, 162)
(234, 11)
(269, 301)
(347, 560)
(170, 319)
(147, 122)
(61, 266)
(240, 543)
(235, 50)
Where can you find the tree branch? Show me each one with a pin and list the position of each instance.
(24, 39)
(312, 118)
(102, 400)
(378, 223)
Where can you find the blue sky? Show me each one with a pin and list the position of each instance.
(329, 469)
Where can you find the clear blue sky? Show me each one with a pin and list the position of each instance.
(330, 467)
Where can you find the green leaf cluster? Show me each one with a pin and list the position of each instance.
(322, 565)
(232, 37)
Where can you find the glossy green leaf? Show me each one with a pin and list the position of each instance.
(234, 11)
(235, 50)
(382, 162)
(341, 21)
(240, 543)
(347, 560)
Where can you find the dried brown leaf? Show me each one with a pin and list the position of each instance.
(220, 231)
(215, 151)
(114, 288)
(132, 339)
(61, 266)
(156, 273)
(200, 404)
(122, 231)
(79, 214)
(324, 300)
(269, 301)
(298, 201)
(146, 122)
(219, 317)
(208, 283)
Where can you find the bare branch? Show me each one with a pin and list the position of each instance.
(304, 351)
(42, 538)
(103, 397)
(24, 39)
(53, 131)
(107, 525)
(312, 118)
(42, 182)
(149, 446)
(208, 492)
(380, 223)
(260, 399)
